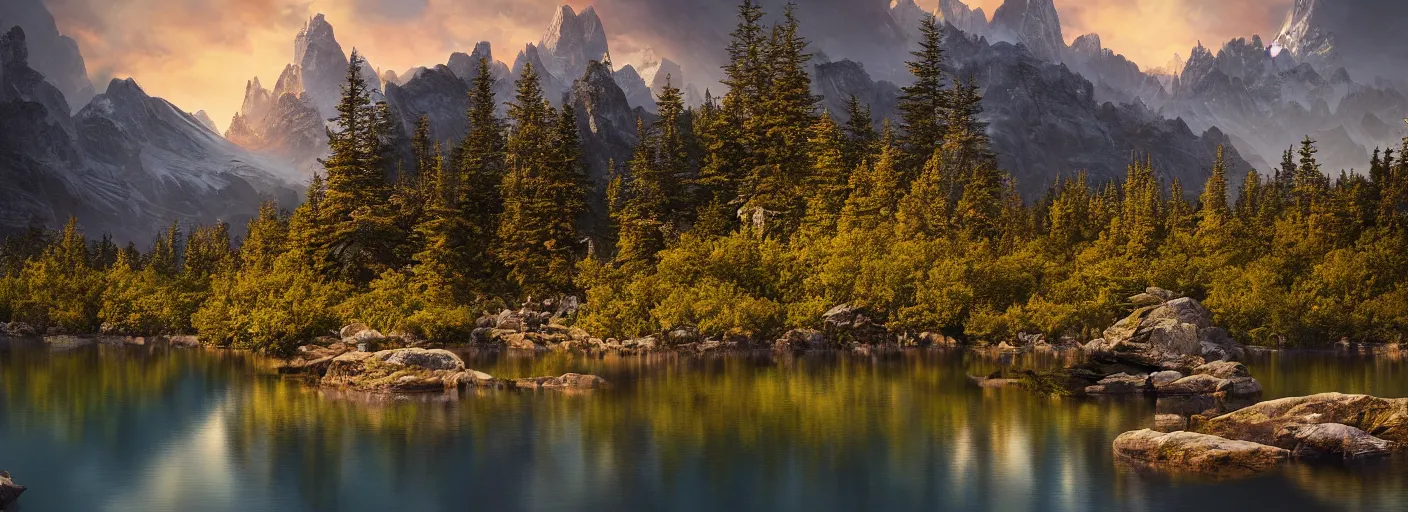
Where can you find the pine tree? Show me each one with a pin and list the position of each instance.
(439, 264)
(860, 133)
(643, 209)
(359, 233)
(674, 152)
(875, 190)
(537, 235)
(729, 130)
(481, 172)
(1213, 212)
(924, 104)
(785, 118)
(1309, 184)
(830, 177)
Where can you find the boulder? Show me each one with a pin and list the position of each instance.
(1124, 329)
(511, 321)
(1331, 440)
(933, 339)
(1162, 294)
(1119, 384)
(1158, 380)
(1170, 422)
(395, 371)
(1198, 453)
(1240, 386)
(17, 330)
(1223, 370)
(566, 381)
(1144, 300)
(800, 340)
(1192, 385)
(1184, 310)
(351, 330)
(9, 490)
(1169, 338)
(640, 345)
(1382, 418)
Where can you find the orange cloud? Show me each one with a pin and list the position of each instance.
(1150, 32)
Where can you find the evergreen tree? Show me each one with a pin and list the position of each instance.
(875, 191)
(537, 234)
(481, 172)
(1213, 212)
(924, 104)
(860, 133)
(643, 210)
(830, 177)
(358, 234)
(785, 118)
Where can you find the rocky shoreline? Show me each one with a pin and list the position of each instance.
(1264, 436)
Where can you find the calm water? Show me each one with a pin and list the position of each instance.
(100, 429)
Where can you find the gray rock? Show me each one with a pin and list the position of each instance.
(9, 490)
(1160, 379)
(1170, 422)
(1184, 310)
(1197, 453)
(1223, 370)
(1331, 440)
(1193, 385)
(1169, 338)
(1119, 384)
(1144, 300)
(352, 330)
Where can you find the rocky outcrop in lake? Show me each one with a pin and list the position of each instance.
(1168, 346)
(9, 490)
(1330, 426)
(1197, 453)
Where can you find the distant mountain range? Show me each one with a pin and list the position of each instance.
(127, 162)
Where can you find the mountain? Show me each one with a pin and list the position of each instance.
(127, 163)
(552, 86)
(962, 17)
(658, 71)
(205, 120)
(1365, 37)
(1269, 105)
(321, 66)
(638, 93)
(1033, 23)
(288, 123)
(1116, 78)
(1044, 120)
(440, 95)
(54, 55)
(572, 41)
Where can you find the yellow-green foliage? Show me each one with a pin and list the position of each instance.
(397, 303)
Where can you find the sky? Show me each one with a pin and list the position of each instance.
(199, 53)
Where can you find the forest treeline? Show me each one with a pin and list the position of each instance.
(745, 217)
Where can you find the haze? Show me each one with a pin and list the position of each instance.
(199, 53)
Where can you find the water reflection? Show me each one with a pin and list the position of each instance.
(100, 428)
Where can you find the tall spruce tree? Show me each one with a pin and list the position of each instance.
(861, 136)
(541, 193)
(359, 232)
(924, 104)
(785, 117)
(481, 163)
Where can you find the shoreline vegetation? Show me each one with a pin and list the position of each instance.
(754, 220)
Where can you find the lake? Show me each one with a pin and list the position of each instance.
(149, 429)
